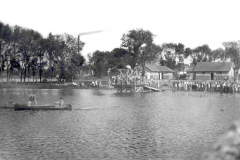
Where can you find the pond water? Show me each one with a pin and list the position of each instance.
(106, 125)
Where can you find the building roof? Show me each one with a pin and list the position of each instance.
(213, 66)
(157, 68)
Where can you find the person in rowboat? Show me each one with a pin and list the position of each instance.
(32, 98)
(60, 103)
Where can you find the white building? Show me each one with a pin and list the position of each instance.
(154, 71)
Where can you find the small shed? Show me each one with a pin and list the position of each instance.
(155, 71)
(213, 71)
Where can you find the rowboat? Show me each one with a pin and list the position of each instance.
(20, 107)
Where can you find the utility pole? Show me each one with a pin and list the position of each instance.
(86, 33)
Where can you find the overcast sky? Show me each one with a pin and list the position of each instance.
(191, 22)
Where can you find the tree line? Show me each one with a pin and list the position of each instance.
(26, 53)
(133, 53)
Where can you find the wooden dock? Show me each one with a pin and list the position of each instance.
(136, 88)
(127, 87)
(152, 89)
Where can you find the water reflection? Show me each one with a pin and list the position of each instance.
(142, 142)
(108, 125)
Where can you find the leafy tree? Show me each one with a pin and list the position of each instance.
(50, 50)
(15, 56)
(26, 46)
(201, 54)
(1, 49)
(41, 50)
(149, 54)
(67, 58)
(119, 59)
(187, 52)
(172, 55)
(34, 51)
(26, 49)
(59, 56)
(86, 68)
(99, 61)
(133, 42)
(77, 61)
(218, 53)
(232, 51)
(168, 56)
(180, 53)
(6, 47)
(140, 47)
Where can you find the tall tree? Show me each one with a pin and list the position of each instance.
(180, 51)
(187, 52)
(6, 47)
(201, 54)
(173, 55)
(26, 46)
(41, 51)
(1, 49)
(99, 61)
(35, 52)
(69, 61)
(168, 56)
(149, 54)
(216, 54)
(15, 51)
(232, 51)
(119, 59)
(50, 50)
(61, 57)
(77, 61)
(133, 42)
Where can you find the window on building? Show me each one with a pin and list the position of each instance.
(219, 72)
(203, 72)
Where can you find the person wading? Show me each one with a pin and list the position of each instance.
(32, 98)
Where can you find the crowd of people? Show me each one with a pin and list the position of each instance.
(215, 86)
(226, 86)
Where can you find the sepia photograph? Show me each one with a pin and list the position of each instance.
(119, 80)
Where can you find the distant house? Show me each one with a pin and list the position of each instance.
(155, 71)
(213, 71)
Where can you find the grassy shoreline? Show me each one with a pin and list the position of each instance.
(83, 83)
(42, 86)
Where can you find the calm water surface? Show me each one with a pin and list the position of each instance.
(107, 125)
